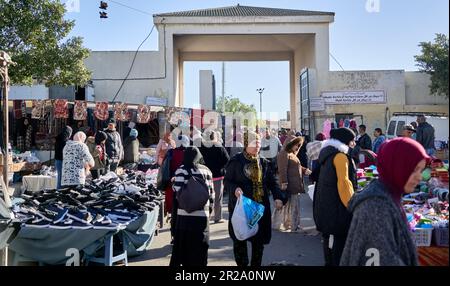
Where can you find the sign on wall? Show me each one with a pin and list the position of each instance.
(156, 101)
(316, 104)
(354, 97)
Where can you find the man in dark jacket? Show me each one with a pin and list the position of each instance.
(113, 145)
(216, 157)
(335, 186)
(364, 140)
(425, 135)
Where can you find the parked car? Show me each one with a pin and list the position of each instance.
(398, 120)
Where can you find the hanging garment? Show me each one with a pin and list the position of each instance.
(341, 123)
(143, 115)
(352, 123)
(121, 112)
(61, 108)
(37, 111)
(327, 128)
(18, 110)
(101, 111)
(80, 110)
(347, 123)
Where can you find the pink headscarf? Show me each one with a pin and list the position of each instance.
(80, 136)
(397, 160)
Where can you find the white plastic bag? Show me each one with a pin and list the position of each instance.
(242, 231)
(311, 191)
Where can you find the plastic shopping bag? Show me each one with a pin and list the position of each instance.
(253, 210)
(311, 191)
(239, 220)
(277, 218)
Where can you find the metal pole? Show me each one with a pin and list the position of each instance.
(4, 62)
(223, 87)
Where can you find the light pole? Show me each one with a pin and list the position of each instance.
(260, 90)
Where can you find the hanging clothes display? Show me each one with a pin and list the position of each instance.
(80, 110)
(121, 112)
(101, 111)
(18, 109)
(341, 123)
(327, 128)
(61, 108)
(143, 115)
(37, 111)
(347, 123)
(352, 123)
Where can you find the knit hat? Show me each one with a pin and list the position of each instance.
(345, 135)
(397, 160)
(134, 133)
(249, 137)
(100, 136)
(320, 137)
(112, 120)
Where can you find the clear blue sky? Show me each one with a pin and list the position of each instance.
(359, 40)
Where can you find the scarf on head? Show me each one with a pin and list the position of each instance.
(255, 175)
(397, 160)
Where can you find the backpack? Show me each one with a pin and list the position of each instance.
(194, 195)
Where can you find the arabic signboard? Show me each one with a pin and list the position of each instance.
(354, 97)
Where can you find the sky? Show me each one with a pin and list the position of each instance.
(383, 37)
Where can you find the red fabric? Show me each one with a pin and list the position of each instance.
(397, 160)
(370, 158)
(175, 163)
(341, 123)
(433, 256)
(101, 110)
(61, 108)
(101, 151)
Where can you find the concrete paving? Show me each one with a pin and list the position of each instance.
(302, 249)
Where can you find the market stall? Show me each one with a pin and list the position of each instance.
(107, 213)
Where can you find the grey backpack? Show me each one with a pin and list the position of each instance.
(194, 195)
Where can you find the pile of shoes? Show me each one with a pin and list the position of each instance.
(110, 202)
(48, 171)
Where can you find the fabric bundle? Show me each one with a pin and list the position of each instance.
(61, 108)
(80, 110)
(121, 112)
(37, 112)
(143, 115)
(101, 111)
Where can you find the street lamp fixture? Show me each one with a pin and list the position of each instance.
(260, 90)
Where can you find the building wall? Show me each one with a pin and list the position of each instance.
(404, 92)
(109, 68)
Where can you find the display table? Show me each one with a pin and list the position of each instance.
(49, 246)
(34, 183)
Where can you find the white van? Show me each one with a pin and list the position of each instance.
(398, 120)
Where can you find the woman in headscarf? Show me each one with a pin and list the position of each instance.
(249, 175)
(60, 142)
(163, 146)
(379, 226)
(76, 158)
(97, 149)
(291, 174)
(191, 236)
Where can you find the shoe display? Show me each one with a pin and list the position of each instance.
(110, 202)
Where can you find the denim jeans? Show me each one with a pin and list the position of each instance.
(58, 166)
